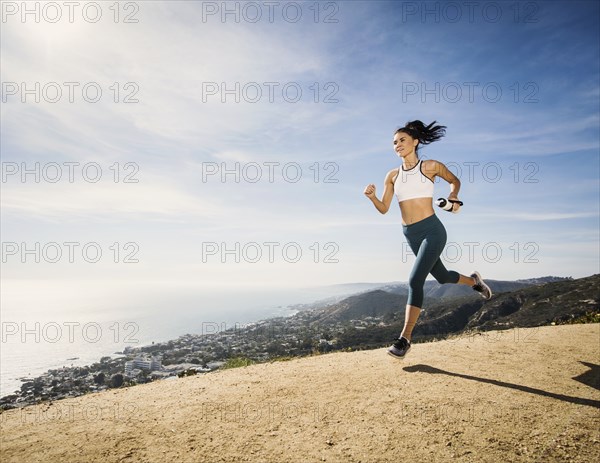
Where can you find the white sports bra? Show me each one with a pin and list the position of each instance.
(412, 183)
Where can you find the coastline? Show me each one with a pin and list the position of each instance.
(93, 363)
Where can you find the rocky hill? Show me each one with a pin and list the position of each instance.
(533, 305)
(523, 395)
(370, 304)
(434, 290)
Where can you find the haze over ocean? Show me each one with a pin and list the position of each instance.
(166, 163)
(92, 325)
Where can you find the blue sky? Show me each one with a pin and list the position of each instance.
(533, 149)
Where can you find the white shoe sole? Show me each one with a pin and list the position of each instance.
(398, 356)
(482, 283)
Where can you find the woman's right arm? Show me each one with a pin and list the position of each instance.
(388, 193)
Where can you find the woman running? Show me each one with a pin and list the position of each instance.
(412, 183)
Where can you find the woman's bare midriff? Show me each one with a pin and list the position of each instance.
(414, 210)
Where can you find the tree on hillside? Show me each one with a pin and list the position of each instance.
(99, 378)
(326, 334)
(116, 380)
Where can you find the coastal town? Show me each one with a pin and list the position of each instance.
(218, 346)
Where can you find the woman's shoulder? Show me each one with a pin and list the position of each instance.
(430, 162)
(391, 175)
(431, 167)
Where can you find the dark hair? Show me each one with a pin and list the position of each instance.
(425, 134)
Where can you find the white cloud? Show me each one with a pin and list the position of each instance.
(150, 200)
(537, 216)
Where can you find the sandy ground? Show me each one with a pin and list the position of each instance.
(524, 395)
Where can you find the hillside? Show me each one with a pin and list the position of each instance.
(533, 305)
(434, 290)
(371, 304)
(521, 395)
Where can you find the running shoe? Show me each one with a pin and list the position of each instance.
(400, 348)
(480, 286)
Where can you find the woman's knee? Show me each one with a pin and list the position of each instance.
(415, 292)
(415, 298)
(448, 276)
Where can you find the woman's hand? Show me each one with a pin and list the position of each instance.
(455, 206)
(388, 191)
(370, 191)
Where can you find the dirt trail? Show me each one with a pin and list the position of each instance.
(523, 395)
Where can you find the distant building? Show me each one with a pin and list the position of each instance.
(141, 363)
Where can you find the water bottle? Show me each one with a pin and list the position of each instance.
(447, 204)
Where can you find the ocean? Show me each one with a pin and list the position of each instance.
(50, 324)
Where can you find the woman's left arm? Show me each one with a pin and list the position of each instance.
(438, 168)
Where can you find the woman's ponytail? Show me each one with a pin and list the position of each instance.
(425, 134)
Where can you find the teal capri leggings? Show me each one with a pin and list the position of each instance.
(427, 239)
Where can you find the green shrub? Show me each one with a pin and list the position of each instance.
(237, 362)
(188, 372)
(588, 317)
